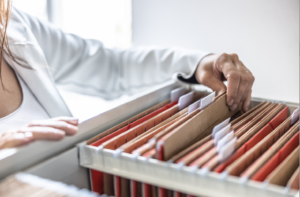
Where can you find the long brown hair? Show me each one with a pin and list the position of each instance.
(5, 10)
(4, 18)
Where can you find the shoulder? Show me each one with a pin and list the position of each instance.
(28, 20)
(20, 22)
(19, 16)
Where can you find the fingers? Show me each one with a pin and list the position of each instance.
(14, 139)
(69, 120)
(225, 65)
(243, 85)
(43, 133)
(233, 79)
(51, 129)
(240, 80)
(63, 126)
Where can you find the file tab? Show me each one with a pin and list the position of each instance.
(206, 101)
(185, 100)
(177, 93)
(295, 116)
(194, 106)
(224, 140)
(220, 134)
(227, 150)
(220, 126)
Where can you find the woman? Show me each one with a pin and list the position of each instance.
(36, 56)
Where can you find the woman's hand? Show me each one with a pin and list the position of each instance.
(50, 129)
(214, 69)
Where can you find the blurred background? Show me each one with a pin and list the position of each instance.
(265, 35)
(105, 20)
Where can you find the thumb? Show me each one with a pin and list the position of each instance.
(210, 80)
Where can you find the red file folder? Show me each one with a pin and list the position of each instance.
(150, 153)
(279, 157)
(147, 188)
(96, 176)
(294, 180)
(275, 122)
(131, 125)
(205, 152)
(136, 188)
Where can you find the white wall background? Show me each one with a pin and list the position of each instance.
(105, 20)
(264, 33)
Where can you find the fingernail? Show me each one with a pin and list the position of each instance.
(231, 102)
(19, 135)
(233, 107)
(27, 139)
(73, 129)
(246, 108)
(59, 135)
(28, 134)
(74, 121)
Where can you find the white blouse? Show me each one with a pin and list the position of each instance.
(29, 110)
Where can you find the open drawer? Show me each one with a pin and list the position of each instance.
(71, 166)
(198, 182)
